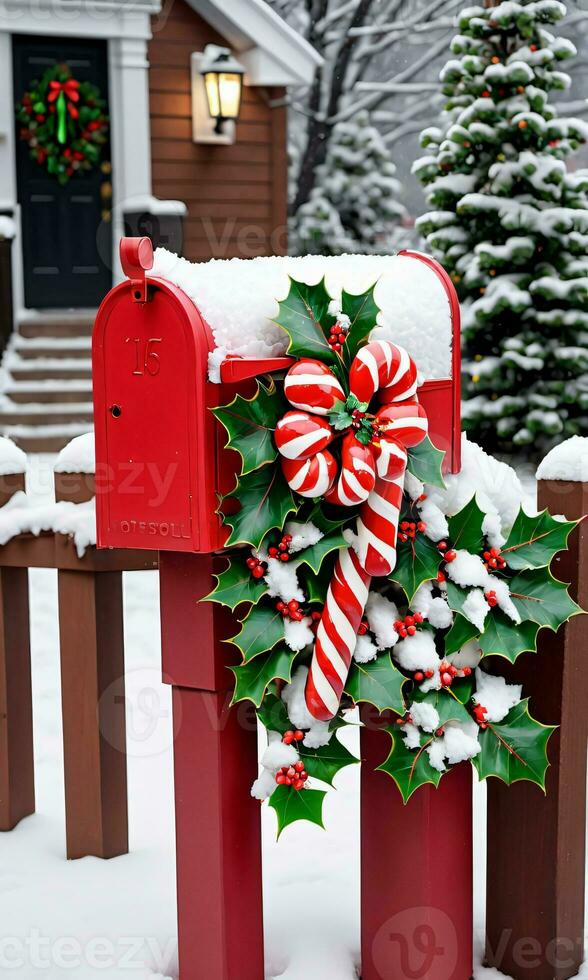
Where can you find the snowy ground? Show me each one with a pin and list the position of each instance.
(89, 919)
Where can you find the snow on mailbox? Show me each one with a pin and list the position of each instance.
(177, 339)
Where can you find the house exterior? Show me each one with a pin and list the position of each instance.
(207, 199)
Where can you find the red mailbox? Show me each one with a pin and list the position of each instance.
(160, 468)
(158, 446)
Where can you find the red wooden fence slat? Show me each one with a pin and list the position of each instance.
(416, 873)
(536, 842)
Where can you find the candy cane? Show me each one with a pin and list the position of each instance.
(388, 370)
(336, 635)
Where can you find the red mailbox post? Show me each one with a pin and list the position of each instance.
(160, 465)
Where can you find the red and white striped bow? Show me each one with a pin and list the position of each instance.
(371, 474)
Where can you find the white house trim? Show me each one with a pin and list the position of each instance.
(127, 29)
(273, 52)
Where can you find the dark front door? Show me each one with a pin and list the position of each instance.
(66, 234)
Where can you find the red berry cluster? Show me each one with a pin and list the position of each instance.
(363, 627)
(448, 553)
(493, 560)
(292, 736)
(448, 673)
(290, 610)
(337, 336)
(490, 598)
(256, 567)
(408, 529)
(408, 625)
(419, 675)
(294, 776)
(480, 714)
(282, 551)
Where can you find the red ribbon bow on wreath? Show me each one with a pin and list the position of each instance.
(65, 94)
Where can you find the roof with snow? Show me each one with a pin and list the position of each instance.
(239, 299)
(272, 52)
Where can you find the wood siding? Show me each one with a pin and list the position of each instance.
(236, 195)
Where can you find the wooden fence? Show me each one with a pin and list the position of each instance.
(536, 843)
(92, 660)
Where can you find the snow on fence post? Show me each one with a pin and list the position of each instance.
(17, 785)
(92, 684)
(536, 842)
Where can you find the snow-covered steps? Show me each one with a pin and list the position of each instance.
(66, 323)
(46, 380)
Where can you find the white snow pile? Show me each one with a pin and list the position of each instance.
(434, 608)
(78, 521)
(275, 756)
(496, 486)
(7, 227)
(494, 694)
(12, 459)
(458, 743)
(469, 570)
(78, 456)
(381, 614)
(417, 652)
(239, 299)
(303, 535)
(568, 461)
(317, 732)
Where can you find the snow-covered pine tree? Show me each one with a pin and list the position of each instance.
(354, 205)
(510, 223)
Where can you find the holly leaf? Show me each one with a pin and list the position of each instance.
(235, 585)
(378, 682)
(326, 524)
(340, 419)
(425, 461)
(417, 562)
(291, 806)
(409, 768)
(250, 424)
(315, 555)
(503, 638)
(265, 499)
(362, 310)
(533, 541)
(449, 708)
(463, 688)
(303, 314)
(456, 598)
(317, 586)
(325, 763)
(460, 633)
(273, 715)
(515, 748)
(260, 631)
(465, 528)
(252, 679)
(538, 596)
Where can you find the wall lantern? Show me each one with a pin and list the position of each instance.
(217, 86)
